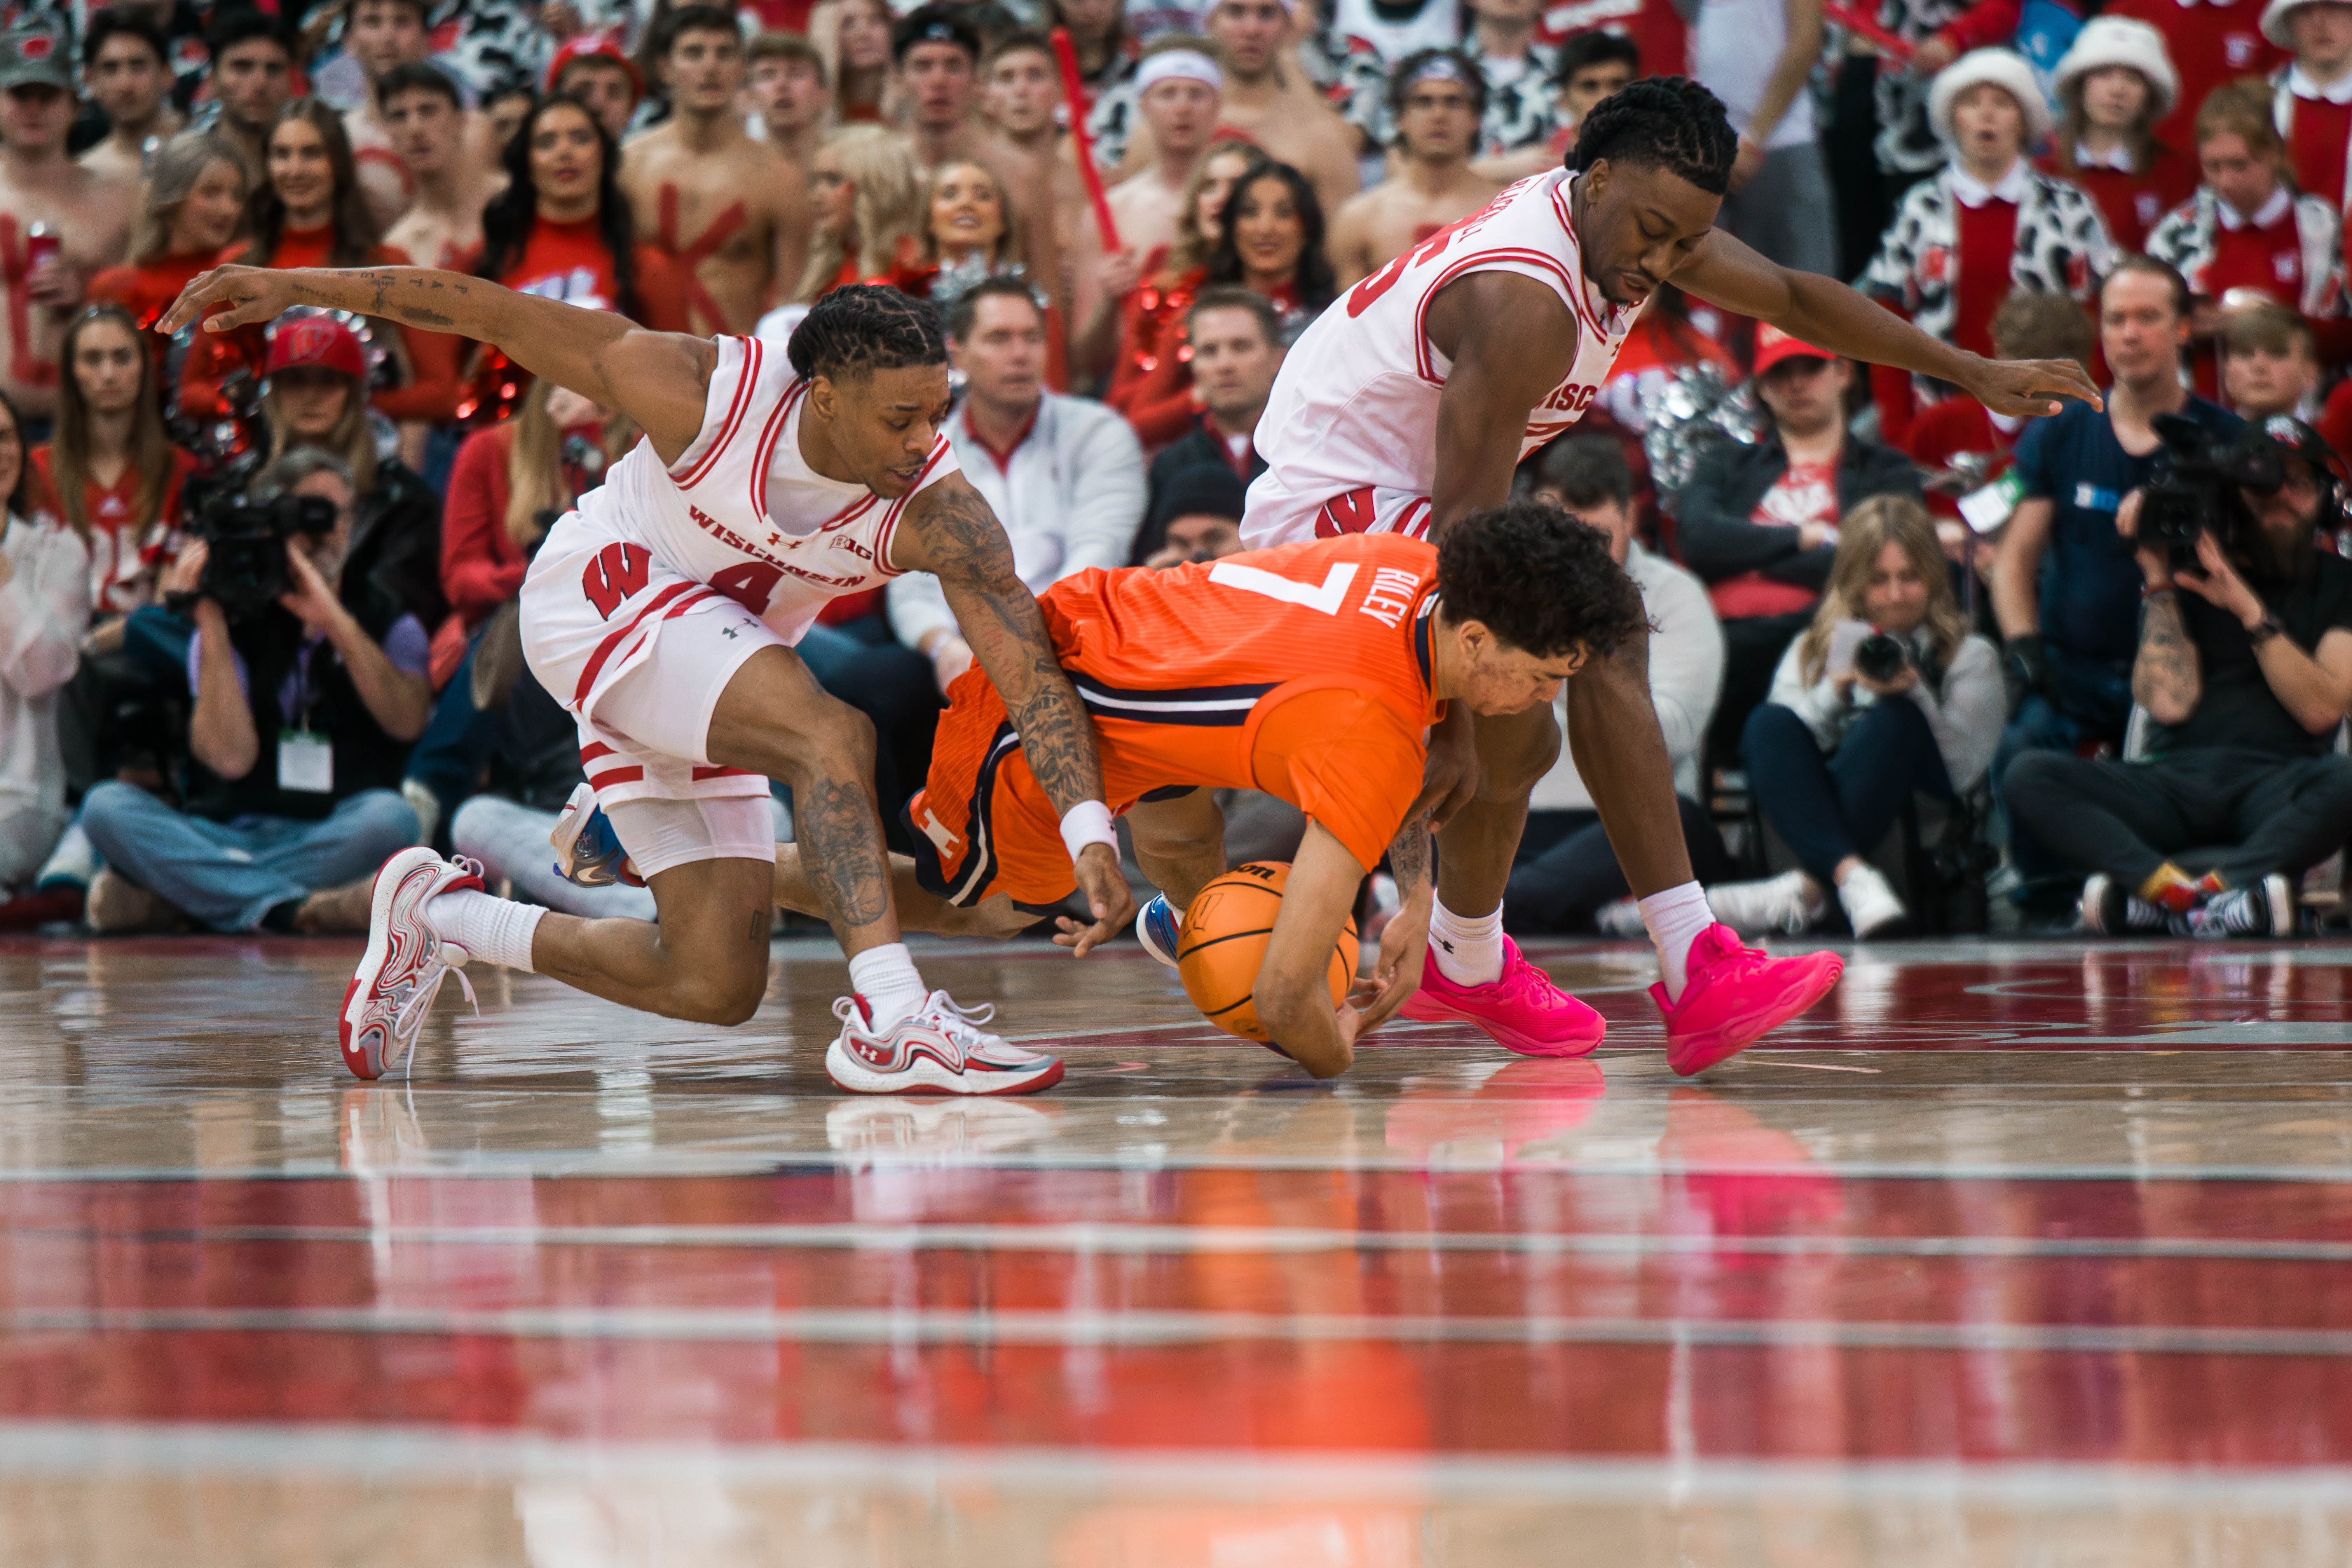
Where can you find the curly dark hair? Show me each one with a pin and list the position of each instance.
(1314, 279)
(1668, 122)
(507, 221)
(1539, 580)
(860, 328)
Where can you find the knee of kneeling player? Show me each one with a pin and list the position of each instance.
(729, 997)
(830, 740)
(1297, 1016)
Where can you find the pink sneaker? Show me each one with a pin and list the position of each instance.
(1523, 1010)
(1735, 995)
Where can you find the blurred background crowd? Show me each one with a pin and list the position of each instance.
(1921, 669)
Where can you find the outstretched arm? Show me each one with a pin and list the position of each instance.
(950, 531)
(1293, 1001)
(657, 379)
(1826, 313)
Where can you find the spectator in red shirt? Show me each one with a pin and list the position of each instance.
(1988, 223)
(562, 230)
(1961, 439)
(1138, 328)
(110, 470)
(865, 209)
(195, 199)
(2210, 42)
(2269, 364)
(2114, 85)
(2247, 235)
(309, 212)
(2312, 102)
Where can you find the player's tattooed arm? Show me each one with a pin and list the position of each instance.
(1408, 856)
(950, 532)
(955, 536)
(659, 379)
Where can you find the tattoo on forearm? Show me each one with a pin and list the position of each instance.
(2165, 673)
(1409, 856)
(1000, 620)
(841, 850)
(385, 295)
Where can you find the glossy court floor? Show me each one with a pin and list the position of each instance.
(2008, 1254)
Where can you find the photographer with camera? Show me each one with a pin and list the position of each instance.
(2245, 666)
(308, 685)
(2063, 587)
(1887, 694)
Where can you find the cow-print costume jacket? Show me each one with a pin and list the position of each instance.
(1521, 112)
(2062, 248)
(2185, 239)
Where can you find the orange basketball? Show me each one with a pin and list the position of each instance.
(1223, 940)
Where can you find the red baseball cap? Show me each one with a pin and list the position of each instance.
(320, 341)
(1774, 346)
(592, 46)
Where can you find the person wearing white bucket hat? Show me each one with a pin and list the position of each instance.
(2311, 99)
(2114, 85)
(1988, 223)
(2208, 42)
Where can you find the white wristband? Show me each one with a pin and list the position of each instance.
(1089, 822)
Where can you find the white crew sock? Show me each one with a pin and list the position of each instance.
(1468, 949)
(885, 977)
(498, 930)
(1675, 916)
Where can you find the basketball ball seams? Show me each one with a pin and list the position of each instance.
(1211, 968)
(1184, 952)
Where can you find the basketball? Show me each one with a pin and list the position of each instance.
(1222, 943)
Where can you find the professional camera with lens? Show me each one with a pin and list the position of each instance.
(1880, 656)
(2196, 488)
(246, 570)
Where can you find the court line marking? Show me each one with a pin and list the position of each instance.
(1156, 1328)
(281, 1451)
(1098, 1236)
(598, 1164)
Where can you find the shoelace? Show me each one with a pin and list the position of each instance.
(409, 1020)
(1524, 982)
(961, 1025)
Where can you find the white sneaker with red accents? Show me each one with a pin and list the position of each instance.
(938, 1049)
(404, 964)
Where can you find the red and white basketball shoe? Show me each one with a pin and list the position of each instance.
(1521, 1009)
(1735, 995)
(404, 964)
(938, 1049)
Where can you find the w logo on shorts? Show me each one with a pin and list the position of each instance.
(617, 572)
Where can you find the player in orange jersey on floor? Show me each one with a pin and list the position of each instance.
(1312, 672)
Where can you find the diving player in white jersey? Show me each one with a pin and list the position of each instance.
(662, 613)
(1409, 405)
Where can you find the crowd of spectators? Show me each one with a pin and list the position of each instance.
(258, 589)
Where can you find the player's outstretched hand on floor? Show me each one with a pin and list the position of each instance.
(2021, 387)
(1108, 894)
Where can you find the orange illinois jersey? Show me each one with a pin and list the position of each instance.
(1304, 671)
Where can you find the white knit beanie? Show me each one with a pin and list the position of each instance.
(2106, 41)
(2004, 68)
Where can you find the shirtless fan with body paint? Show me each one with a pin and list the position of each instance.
(663, 611)
(1410, 404)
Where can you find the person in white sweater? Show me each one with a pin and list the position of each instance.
(44, 613)
(1888, 695)
(1566, 877)
(1065, 475)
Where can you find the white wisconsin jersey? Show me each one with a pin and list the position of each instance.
(742, 512)
(1352, 421)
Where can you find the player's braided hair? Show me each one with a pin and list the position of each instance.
(1668, 122)
(860, 328)
(1539, 580)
